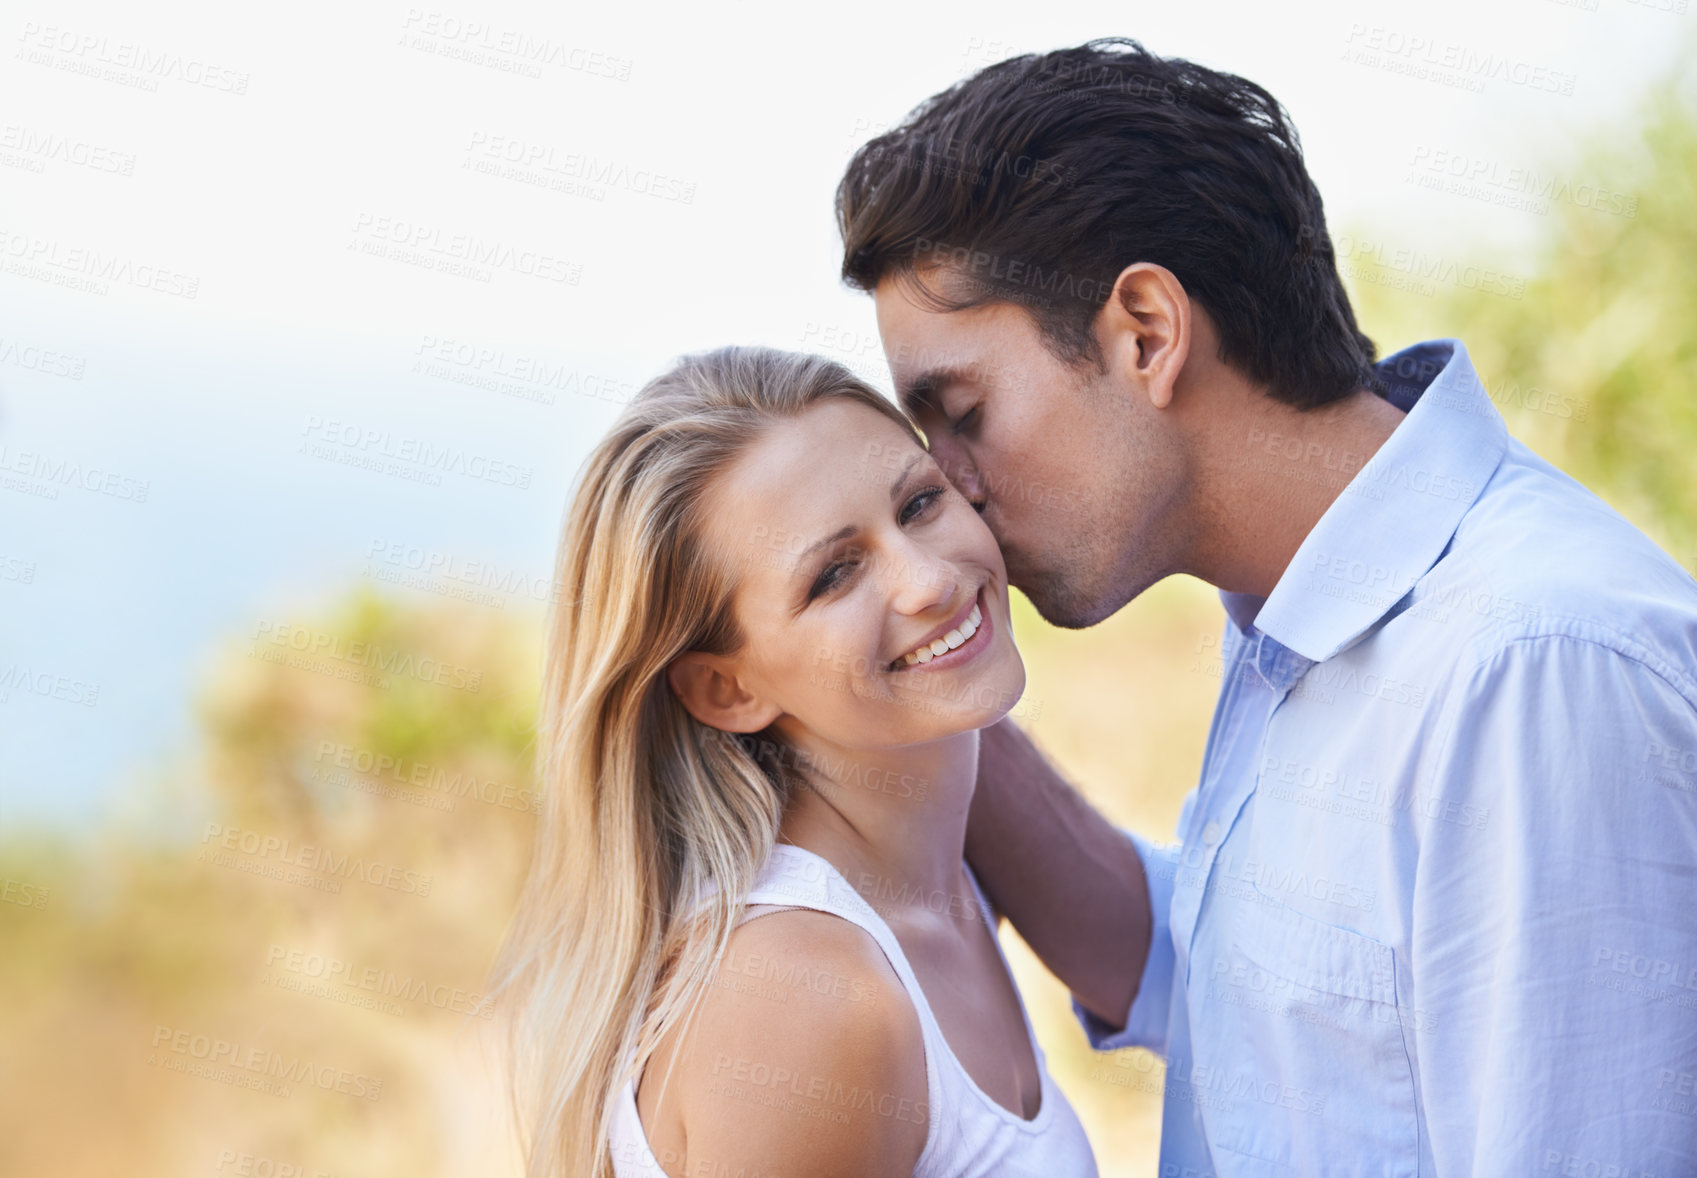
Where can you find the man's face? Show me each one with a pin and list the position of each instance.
(1077, 479)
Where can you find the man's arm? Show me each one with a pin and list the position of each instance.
(1552, 1004)
(1070, 881)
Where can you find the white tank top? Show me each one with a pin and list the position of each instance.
(968, 1133)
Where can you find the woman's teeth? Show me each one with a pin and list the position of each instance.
(948, 641)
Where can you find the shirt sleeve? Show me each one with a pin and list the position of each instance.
(1550, 1009)
(1146, 1022)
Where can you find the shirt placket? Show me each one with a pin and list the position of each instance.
(1263, 671)
(1221, 791)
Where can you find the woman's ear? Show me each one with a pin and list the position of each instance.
(707, 685)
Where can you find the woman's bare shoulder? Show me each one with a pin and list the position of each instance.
(807, 1055)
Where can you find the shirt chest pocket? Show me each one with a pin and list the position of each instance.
(1300, 1066)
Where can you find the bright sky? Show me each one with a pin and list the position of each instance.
(227, 246)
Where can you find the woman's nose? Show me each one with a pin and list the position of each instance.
(919, 582)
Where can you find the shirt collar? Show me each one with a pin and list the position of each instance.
(1398, 513)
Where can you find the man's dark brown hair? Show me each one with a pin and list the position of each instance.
(1037, 180)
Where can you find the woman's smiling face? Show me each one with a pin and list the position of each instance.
(872, 597)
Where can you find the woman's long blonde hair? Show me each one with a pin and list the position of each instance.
(644, 806)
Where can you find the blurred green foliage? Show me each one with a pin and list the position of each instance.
(1594, 365)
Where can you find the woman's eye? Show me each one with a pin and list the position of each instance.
(920, 504)
(834, 574)
(829, 578)
(961, 422)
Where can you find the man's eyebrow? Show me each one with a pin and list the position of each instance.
(917, 392)
(849, 529)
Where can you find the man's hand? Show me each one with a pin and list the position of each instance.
(1069, 880)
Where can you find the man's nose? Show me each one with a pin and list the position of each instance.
(959, 468)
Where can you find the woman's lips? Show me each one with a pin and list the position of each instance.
(959, 654)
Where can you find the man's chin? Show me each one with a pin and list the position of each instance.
(1059, 603)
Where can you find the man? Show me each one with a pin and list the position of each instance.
(1433, 906)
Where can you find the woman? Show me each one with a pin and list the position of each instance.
(779, 632)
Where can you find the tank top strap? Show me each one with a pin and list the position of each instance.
(796, 877)
(802, 876)
(793, 876)
(967, 1133)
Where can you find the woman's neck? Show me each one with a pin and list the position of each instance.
(892, 821)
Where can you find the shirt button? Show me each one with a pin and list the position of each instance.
(1211, 834)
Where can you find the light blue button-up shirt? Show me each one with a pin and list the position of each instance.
(1433, 907)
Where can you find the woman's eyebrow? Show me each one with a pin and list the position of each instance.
(841, 533)
(896, 487)
(849, 529)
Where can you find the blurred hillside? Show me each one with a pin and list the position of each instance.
(273, 958)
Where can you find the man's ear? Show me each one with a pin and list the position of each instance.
(707, 685)
(1145, 328)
